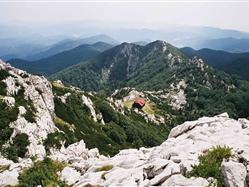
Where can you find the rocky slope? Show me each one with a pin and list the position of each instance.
(166, 164)
(33, 129)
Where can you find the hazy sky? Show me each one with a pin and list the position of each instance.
(233, 15)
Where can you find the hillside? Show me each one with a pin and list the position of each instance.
(233, 63)
(162, 70)
(79, 114)
(49, 134)
(58, 62)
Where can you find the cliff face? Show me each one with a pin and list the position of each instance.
(33, 97)
(28, 111)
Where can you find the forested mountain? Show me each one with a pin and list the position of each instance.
(58, 62)
(234, 63)
(161, 69)
(69, 44)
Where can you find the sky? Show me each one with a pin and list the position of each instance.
(146, 14)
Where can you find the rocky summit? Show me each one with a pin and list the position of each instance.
(173, 163)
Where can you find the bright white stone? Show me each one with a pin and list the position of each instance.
(234, 174)
(69, 175)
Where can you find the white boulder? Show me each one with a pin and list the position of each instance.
(69, 175)
(234, 174)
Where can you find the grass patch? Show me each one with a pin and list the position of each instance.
(4, 168)
(210, 164)
(63, 124)
(105, 168)
(149, 108)
(43, 173)
(128, 104)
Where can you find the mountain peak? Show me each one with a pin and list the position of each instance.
(159, 45)
(127, 49)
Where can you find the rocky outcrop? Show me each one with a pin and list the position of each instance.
(166, 164)
(89, 104)
(37, 91)
(69, 175)
(9, 175)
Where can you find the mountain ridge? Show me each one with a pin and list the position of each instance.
(233, 63)
(61, 60)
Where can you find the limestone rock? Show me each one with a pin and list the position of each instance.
(234, 174)
(165, 164)
(69, 175)
(180, 180)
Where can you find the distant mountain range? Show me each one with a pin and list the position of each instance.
(235, 63)
(60, 61)
(236, 45)
(30, 44)
(68, 44)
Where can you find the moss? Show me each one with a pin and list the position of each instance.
(210, 164)
(105, 168)
(43, 173)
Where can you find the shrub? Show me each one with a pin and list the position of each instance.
(3, 90)
(18, 148)
(4, 74)
(12, 153)
(7, 115)
(54, 140)
(21, 141)
(210, 164)
(43, 173)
